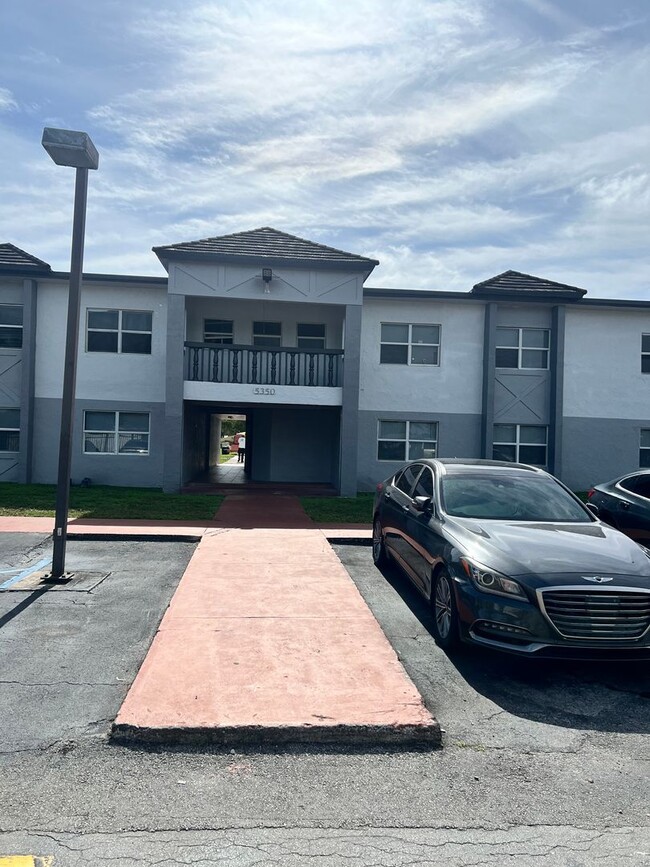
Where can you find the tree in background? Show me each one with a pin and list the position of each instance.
(230, 427)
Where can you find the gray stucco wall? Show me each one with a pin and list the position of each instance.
(103, 469)
(195, 438)
(173, 432)
(294, 444)
(349, 433)
(459, 436)
(599, 449)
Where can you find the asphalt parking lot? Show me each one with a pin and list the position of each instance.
(491, 699)
(70, 653)
(544, 764)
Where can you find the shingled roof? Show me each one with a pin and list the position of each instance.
(516, 283)
(264, 243)
(12, 258)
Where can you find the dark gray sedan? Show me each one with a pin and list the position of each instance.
(625, 504)
(509, 558)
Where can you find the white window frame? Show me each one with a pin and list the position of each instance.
(410, 343)
(522, 346)
(645, 353)
(644, 450)
(11, 325)
(120, 330)
(15, 430)
(219, 338)
(518, 442)
(321, 340)
(408, 441)
(257, 334)
(116, 434)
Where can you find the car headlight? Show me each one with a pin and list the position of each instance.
(491, 581)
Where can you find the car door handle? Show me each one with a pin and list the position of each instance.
(625, 505)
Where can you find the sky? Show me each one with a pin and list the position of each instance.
(449, 139)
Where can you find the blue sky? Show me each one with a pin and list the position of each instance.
(450, 139)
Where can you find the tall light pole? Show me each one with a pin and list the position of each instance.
(69, 148)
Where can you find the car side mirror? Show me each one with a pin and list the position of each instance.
(594, 509)
(424, 504)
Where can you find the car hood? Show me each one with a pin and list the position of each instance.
(520, 548)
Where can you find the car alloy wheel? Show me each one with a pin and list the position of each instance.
(379, 557)
(445, 617)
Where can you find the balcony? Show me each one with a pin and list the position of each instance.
(263, 366)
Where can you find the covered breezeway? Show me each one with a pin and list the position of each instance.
(291, 446)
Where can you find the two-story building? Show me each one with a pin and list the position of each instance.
(338, 383)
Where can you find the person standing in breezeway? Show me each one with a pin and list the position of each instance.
(241, 452)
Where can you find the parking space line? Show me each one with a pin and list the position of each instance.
(26, 861)
(25, 574)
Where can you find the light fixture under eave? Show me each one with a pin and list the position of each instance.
(267, 276)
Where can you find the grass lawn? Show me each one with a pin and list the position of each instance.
(339, 510)
(350, 510)
(102, 501)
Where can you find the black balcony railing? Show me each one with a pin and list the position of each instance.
(255, 365)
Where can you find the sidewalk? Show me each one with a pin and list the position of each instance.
(266, 640)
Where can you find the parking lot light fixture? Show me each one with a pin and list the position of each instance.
(75, 149)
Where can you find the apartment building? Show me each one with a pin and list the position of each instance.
(338, 383)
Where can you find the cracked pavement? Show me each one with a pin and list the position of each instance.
(544, 764)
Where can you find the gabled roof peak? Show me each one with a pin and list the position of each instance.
(13, 258)
(265, 243)
(518, 283)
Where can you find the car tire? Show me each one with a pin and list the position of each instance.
(446, 625)
(379, 555)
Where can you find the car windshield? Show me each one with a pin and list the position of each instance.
(509, 498)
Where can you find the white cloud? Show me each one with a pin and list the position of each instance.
(449, 139)
(7, 102)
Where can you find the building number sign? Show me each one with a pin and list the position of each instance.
(263, 391)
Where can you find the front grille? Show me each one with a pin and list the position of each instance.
(593, 614)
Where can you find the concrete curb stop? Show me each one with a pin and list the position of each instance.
(342, 735)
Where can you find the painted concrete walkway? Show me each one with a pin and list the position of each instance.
(266, 640)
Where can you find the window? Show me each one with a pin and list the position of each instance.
(125, 331)
(9, 430)
(644, 451)
(523, 348)
(406, 479)
(11, 326)
(424, 487)
(111, 433)
(409, 344)
(645, 353)
(406, 440)
(522, 443)
(217, 331)
(310, 336)
(267, 333)
(639, 485)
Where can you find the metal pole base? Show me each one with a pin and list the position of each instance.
(49, 578)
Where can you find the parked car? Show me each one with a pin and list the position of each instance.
(510, 559)
(625, 504)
